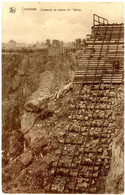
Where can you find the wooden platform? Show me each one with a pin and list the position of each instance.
(105, 45)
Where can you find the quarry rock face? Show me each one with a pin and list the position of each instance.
(31, 84)
(29, 79)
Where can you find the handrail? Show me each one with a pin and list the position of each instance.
(99, 57)
(88, 61)
(99, 20)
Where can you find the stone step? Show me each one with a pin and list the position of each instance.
(87, 56)
(101, 50)
(98, 75)
(96, 82)
(98, 72)
(105, 47)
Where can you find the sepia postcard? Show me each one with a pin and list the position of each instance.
(62, 97)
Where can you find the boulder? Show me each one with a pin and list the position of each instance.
(92, 190)
(26, 157)
(35, 139)
(85, 185)
(31, 106)
(93, 181)
(27, 121)
(100, 150)
(37, 104)
(64, 90)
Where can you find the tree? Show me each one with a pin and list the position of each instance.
(34, 45)
(42, 43)
(73, 44)
(61, 43)
(12, 41)
(84, 43)
(37, 43)
(12, 44)
(78, 42)
(55, 43)
(48, 43)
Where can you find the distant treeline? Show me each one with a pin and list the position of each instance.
(23, 50)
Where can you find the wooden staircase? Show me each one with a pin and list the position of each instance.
(105, 45)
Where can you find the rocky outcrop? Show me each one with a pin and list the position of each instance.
(36, 105)
(12, 137)
(30, 80)
(115, 178)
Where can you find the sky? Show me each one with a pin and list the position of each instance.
(26, 26)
